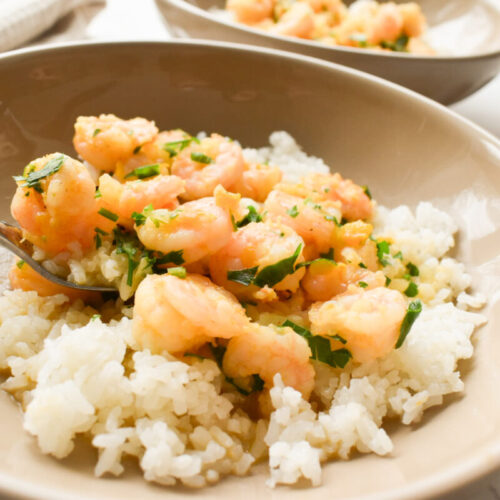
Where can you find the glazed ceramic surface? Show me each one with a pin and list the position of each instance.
(465, 34)
(405, 147)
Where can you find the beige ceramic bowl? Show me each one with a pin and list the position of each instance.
(466, 34)
(405, 147)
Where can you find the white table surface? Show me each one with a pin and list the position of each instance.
(142, 20)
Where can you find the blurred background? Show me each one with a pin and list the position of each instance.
(68, 20)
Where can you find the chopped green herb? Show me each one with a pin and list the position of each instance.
(360, 39)
(137, 149)
(314, 261)
(175, 147)
(128, 244)
(243, 276)
(97, 237)
(274, 273)
(366, 189)
(321, 349)
(382, 251)
(20, 263)
(293, 212)
(398, 255)
(342, 340)
(96, 131)
(251, 216)
(412, 290)
(362, 284)
(412, 269)
(311, 203)
(201, 158)
(328, 255)
(98, 193)
(233, 223)
(109, 215)
(179, 272)
(193, 355)
(32, 180)
(387, 281)
(95, 317)
(407, 277)
(400, 45)
(27, 193)
(173, 257)
(267, 276)
(139, 219)
(362, 265)
(332, 218)
(145, 171)
(414, 309)
(257, 383)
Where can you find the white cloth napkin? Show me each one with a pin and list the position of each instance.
(22, 20)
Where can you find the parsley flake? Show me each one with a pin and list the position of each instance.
(20, 263)
(201, 158)
(362, 284)
(382, 251)
(144, 172)
(412, 269)
(414, 309)
(293, 212)
(251, 216)
(32, 180)
(178, 272)
(321, 349)
(109, 215)
(412, 290)
(268, 275)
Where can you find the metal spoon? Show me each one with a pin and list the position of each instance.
(11, 237)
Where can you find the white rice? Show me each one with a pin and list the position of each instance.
(75, 375)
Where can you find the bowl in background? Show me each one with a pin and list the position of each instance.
(466, 34)
(405, 147)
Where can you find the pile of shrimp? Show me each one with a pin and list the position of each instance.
(226, 261)
(364, 24)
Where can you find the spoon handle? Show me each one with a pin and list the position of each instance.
(11, 237)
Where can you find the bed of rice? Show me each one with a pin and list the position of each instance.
(78, 374)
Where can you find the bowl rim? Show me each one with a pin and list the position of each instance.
(187, 6)
(486, 458)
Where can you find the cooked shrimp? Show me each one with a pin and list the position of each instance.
(298, 21)
(166, 145)
(369, 320)
(257, 181)
(199, 228)
(214, 160)
(413, 19)
(106, 140)
(22, 276)
(354, 201)
(251, 11)
(134, 196)
(266, 351)
(325, 279)
(178, 315)
(57, 213)
(314, 222)
(258, 245)
(387, 24)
